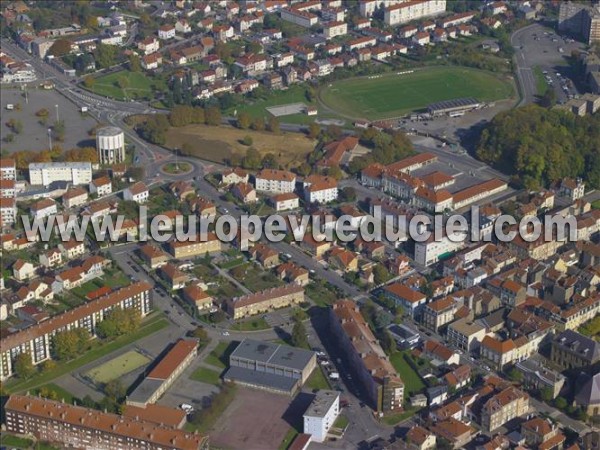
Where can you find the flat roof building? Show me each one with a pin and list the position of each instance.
(271, 367)
(321, 414)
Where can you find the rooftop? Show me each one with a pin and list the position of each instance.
(273, 354)
(322, 403)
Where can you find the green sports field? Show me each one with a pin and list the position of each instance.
(393, 95)
(117, 367)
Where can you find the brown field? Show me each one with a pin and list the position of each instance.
(254, 420)
(219, 143)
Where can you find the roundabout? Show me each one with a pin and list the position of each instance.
(177, 168)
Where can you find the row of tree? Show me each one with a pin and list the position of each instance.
(540, 146)
(85, 154)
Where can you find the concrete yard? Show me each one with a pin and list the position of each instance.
(254, 420)
(35, 134)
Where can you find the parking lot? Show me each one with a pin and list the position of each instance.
(35, 132)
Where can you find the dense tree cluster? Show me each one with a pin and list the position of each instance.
(539, 146)
(119, 322)
(70, 343)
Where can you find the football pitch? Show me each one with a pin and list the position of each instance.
(396, 94)
(117, 367)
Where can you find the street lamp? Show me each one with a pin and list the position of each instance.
(50, 138)
(57, 118)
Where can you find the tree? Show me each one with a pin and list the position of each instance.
(105, 55)
(298, 338)
(212, 115)
(274, 125)
(201, 334)
(548, 100)
(304, 169)
(115, 390)
(547, 394)
(269, 161)
(123, 82)
(258, 124)
(515, 375)
(335, 172)
(59, 130)
(70, 343)
(387, 342)
(380, 274)
(24, 368)
(348, 194)
(89, 82)
(243, 120)
(134, 63)
(314, 129)
(560, 403)
(247, 140)
(48, 366)
(181, 115)
(42, 112)
(60, 48)
(119, 322)
(252, 159)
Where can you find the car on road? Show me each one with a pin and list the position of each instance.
(225, 333)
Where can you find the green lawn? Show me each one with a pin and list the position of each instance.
(219, 356)
(138, 86)
(251, 325)
(288, 438)
(61, 394)
(540, 81)
(412, 382)
(98, 350)
(10, 441)
(395, 419)
(295, 94)
(317, 380)
(205, 375)
(341, 422)
(596, 204)
(117, 367)
(320, 294)
(254, 278)
(394, 95)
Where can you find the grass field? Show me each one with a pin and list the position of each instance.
(412, 381)
(394, 95)
(317, 380)
(117, 367)
(219, 143)
(205, 375)
(540, 82)
(138, 86)
(220, 355)
(251, 325)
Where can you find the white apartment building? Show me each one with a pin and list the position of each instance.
(71, 172)
(321, 414)
(8, 211)
(278, 181)
(283, 202)
(101, 186)
(333, 29)
(324, 190)
(43, 208)
(137, 193)
(409, 11)
(430, 251)
(8, 169)
(303, 18)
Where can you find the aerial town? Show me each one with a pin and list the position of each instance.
(126, 123)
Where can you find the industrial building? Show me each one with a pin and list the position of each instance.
(271, 367)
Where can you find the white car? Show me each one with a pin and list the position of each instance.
(225, 333)
(186, 407)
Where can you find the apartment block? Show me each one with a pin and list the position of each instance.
(265, 301)
(196, 247)
(413, 10)
(36, 340)
(321, 414)
(276, 181)
(72, 172)
(572, 350)
(465, 334)
(439, 313)
(368, 360)
(502, 407)
(78, 427)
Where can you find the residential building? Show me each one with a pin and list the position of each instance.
(502, 407)
(36, 340)
(419, 438)
(8, 189)
(440, 312)
(43, 208)
(465, 334)
(305, 19)
(572, 350)
(537, 376)
(265, 255)
(195, 247)
(321, 414)
(276, 181)
(137, 193)
(284, 202)
(413, 10)
(79, 427)
(8, 211)
(72, 172)
(8, 169)
(410, 300)
(334, 29)
(101, 186)
(72, 249)
(319, 189)
(542, 434)
(149, 45)
(23, 270)
(439, 353)
(453, 431)
(264, 301)
(152, 256)
(164, 374)
(74, 197)
(430, 251)
(245, 193)
(369, 362)
(269, 366)
(198, 297)
(175, 278)
(166, 32)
